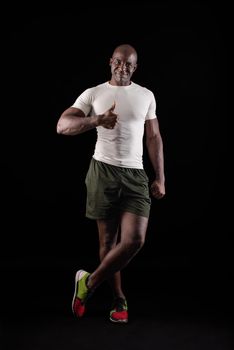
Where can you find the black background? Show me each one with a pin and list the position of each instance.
(50, 55)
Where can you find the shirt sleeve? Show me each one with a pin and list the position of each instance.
(151, 114)
(84, 101)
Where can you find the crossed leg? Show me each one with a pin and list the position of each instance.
(114, 254)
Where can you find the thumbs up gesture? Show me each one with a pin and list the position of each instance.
(113, 107)
(109, 118)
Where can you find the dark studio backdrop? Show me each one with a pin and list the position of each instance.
(50, 57)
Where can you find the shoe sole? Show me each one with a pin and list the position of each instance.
(77, 278)
(118, 321)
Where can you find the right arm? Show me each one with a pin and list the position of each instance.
(73, 121)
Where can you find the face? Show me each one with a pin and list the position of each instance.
(123, 65)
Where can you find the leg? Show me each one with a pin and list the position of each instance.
(108, 235)
(133, 231)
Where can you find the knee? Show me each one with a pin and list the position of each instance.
(139, 243)
(105, 247)
(136, 244)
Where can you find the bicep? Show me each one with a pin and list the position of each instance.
(73, 112)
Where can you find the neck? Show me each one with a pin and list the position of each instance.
(119, 83)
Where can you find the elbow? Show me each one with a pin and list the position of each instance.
(154, 137)
(59, 128)
(151, 139)
(154, 141)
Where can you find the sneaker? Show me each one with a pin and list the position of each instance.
(81, 293)
(119, 312)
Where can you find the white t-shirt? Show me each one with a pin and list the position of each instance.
(123, 145)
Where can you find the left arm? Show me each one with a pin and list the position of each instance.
(154, 146)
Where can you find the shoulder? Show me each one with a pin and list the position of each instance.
(92, 90)
(98, 87)
(144, 91)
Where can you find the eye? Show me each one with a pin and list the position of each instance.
(129, 65)
(117, 61)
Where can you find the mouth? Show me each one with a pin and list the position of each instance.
(121, 75)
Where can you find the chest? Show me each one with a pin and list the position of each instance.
(129, 105)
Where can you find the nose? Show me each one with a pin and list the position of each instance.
(122, 66)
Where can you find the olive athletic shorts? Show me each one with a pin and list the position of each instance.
(112, 190)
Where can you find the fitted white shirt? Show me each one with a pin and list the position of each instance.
(123, 145)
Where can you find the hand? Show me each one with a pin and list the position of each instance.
(109, 118)
(157, 189)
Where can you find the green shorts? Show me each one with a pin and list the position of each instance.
(112, 190)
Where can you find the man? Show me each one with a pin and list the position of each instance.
(117, 185)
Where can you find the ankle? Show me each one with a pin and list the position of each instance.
(88, 283)
(119, 296)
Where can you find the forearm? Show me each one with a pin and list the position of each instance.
(155, 150)
(72, 125)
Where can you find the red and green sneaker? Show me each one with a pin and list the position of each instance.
(119, 311)
(81, 294)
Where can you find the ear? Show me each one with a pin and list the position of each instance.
(135, 67)
(110, 62)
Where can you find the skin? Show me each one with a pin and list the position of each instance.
(115, 255)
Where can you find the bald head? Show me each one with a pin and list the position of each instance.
(123, 64)
(127, 50)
